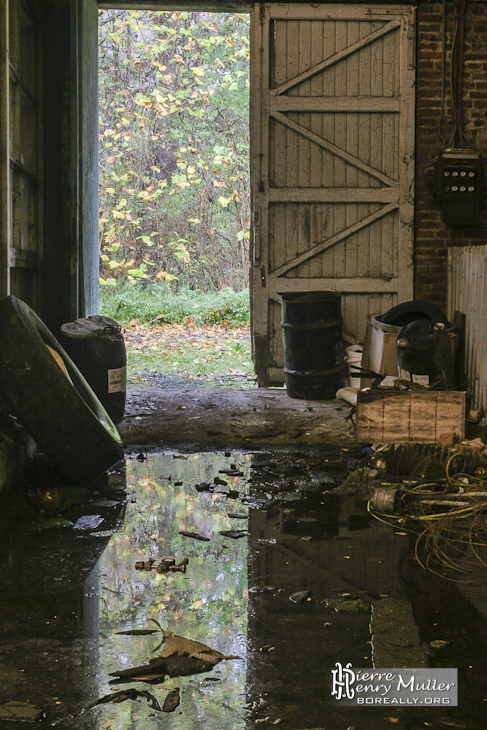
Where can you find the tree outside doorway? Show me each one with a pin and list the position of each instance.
(174, 186)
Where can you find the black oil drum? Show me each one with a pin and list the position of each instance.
(96, 346)
(424, 355)
(313, 348)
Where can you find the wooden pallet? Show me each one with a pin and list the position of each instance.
(389, 416)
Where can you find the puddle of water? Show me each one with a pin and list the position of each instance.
(64, 593)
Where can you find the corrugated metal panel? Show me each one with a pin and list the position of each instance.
(467, 293)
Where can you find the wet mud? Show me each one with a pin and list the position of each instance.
(293, 576)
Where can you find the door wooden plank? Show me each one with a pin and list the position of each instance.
(317, 122)
(259, 60)
(279, 144)
(333, 105)
(336, 208)
(352, 214)
(335, 262)
(328, 243)
(406, 137)
(303, 90)
(365, 240)
(339, 56)
(341, 153)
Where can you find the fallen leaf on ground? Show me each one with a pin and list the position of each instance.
(235, 534)
(179, 657)
(129, 694)
(194, 535)
(300, 597)
(172, 700)
(438, 644)
(20, 711)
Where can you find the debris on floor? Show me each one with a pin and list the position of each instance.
(313, 569)
(194, 535)
(300, 597)
(20, 712)
(449, 510)
(165, 565)
(179, 657)
(172, 700)
(234, 534)
(129, 694)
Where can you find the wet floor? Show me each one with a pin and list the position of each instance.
(306, 578)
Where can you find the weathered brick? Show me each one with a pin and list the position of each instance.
(432, 237)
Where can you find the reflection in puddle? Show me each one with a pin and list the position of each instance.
(314, 582)
(208, 603)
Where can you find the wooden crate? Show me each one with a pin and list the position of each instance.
(395, 416)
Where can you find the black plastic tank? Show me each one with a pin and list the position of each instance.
(424, 355)
(96, 346)
(313, 346)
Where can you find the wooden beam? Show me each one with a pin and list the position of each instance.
(334, 104)
(358, 285)
(220, 6)
(333, 195)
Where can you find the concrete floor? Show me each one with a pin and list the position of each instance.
(191, 412)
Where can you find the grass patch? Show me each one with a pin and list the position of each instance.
(130, 302)
(188, 333)
(191, 351)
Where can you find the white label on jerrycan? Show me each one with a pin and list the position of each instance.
(421, 379)
(117, 380)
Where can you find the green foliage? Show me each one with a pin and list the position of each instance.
(128, 301)
(174, 177)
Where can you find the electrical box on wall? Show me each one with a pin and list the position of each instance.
(458, 184)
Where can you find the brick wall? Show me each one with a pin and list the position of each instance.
(432, 236)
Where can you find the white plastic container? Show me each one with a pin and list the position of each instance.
(354, 357)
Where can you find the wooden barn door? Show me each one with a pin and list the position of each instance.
(332, 119)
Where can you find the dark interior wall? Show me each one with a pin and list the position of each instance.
(432, 236)
(70, 266)
(222, 6)
(59, 287)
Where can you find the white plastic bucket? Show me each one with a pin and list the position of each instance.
(354, 357)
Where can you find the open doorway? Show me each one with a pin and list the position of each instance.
(174, 190)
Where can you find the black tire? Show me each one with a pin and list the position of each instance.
(408, 312)
(63, 416)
